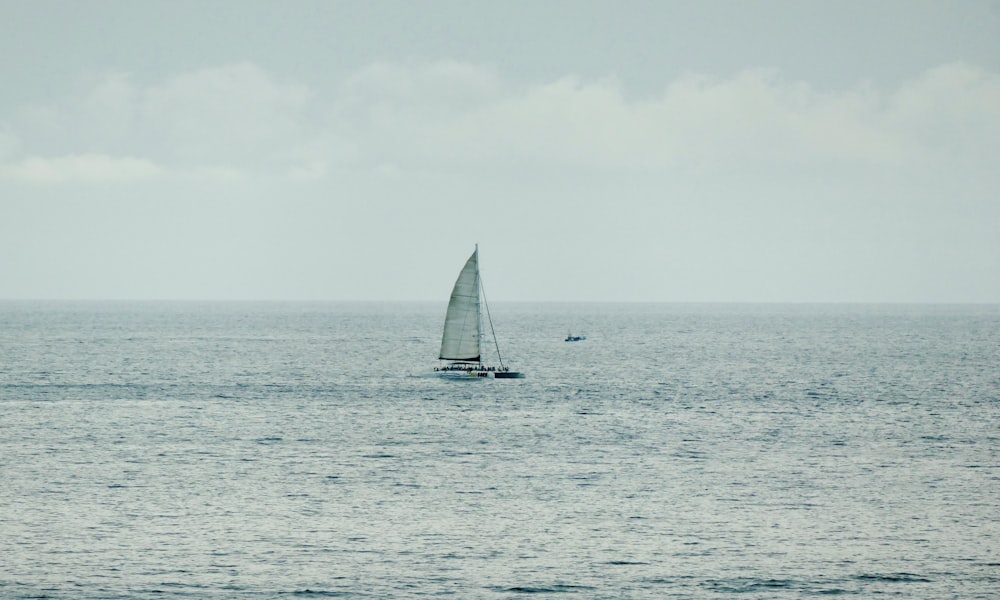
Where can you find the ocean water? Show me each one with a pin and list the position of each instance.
(188, 450)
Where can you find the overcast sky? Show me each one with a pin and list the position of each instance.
(727, 151)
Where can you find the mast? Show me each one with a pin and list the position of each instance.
(479, 313)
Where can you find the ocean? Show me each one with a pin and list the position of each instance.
(282, 450)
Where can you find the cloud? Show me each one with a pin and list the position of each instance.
(451, 115)
(757, 116)
(949, 110)
(437, 117)
(237, 113)
(85, 168)
(436, 88)
(234, 116)
(753, 117)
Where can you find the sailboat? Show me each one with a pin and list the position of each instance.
(462, 340)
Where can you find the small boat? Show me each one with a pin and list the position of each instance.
(462, 340)
(575, 338)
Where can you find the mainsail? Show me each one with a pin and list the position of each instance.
(461, 323)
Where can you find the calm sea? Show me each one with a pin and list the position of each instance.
(188, 450)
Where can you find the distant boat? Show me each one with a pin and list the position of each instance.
(461, 342)
(575, 338)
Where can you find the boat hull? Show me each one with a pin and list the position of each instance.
(469, 375)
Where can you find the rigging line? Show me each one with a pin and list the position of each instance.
(490, 318)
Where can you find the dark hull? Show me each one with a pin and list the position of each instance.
(508, 375)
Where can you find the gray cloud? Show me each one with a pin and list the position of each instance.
(451, 115)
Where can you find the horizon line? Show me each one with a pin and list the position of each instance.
(507, 301)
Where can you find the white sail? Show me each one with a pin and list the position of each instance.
(461, 324)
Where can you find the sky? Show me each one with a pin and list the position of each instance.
(623, 151)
